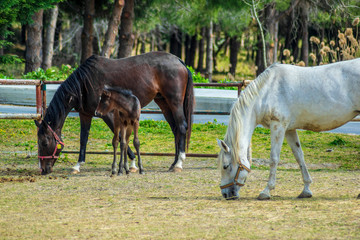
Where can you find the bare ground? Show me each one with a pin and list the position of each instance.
(163, 205)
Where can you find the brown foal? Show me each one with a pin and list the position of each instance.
(126, 110)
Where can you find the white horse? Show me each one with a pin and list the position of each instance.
(285, 98)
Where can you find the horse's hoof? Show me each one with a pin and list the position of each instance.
(120, 174)
(263, 196)
(75, 171)
(142, 172)
(358, 197)
(176, 169)
(133, 170)
(305, 195)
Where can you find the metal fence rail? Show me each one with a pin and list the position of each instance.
(39, 108)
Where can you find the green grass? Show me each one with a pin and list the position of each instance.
(19, 137)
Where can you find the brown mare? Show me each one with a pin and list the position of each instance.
(157, 76)
(126, 108)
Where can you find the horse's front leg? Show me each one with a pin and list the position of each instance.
(294, 142)
(277, 138)
(85, 122)
(136, 143)
(115, 143)
(123, 156)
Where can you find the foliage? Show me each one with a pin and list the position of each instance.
(51, 74)
(18, 10)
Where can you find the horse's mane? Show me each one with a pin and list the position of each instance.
(127, 93)
(70, 92)
(238, 111)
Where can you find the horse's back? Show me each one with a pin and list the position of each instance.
(314, 98)
(146, 75)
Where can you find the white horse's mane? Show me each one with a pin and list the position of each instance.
(239, 109)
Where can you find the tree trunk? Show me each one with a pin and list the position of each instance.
(304, 15)
(209, 52)
(49, 38)
(34, 42)
(193, 45)
(126, 36)
(271, 25)
(113, 29)
(201, 50)
(88, 29)
(259, 61)
(175, 42)
(234, 50)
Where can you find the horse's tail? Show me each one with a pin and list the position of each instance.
(189, 105)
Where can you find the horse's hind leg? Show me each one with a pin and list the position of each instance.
(170, 119)
(294, 142)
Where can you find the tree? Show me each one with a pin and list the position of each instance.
(113, 27)
(34, 42)
(88, 30)
(49, 38)
(126, 36)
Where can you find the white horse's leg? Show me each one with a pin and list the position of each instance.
(294, 142)
(133, 167)
(277, 138)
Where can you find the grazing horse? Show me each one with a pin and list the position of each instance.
(157, 76)
(126, 109)
(285, 98)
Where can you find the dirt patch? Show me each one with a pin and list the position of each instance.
(17, 179)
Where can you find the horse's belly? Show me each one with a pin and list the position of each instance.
(321, 123)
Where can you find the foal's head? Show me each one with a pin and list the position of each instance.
(106, 103)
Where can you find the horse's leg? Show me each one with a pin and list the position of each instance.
(277, 138)
(108, 119)
(85, 122)
(294, 142)
(115, 143)
(181, 127)
(122, 149)
(136, 143)
(170, 119)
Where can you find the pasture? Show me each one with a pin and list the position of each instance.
(164, 205)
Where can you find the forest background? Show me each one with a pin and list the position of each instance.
(234, 39)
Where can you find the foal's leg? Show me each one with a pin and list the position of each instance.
(294, 142)
(109, 120)
(115, 143)
(277, 138)
(137, 146)
(123, 147)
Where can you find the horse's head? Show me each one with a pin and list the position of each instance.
(233, 172)
(49, 147)
(105, 104)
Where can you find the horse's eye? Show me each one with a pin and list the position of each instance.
(44, 144)
(226, 167)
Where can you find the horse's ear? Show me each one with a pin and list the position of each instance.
(223, 145)
(107, 93)
(37, 123)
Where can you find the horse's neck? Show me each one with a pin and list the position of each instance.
(57, 120)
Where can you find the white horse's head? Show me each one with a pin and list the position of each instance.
(233, 172)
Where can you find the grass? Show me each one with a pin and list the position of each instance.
(163, 205)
